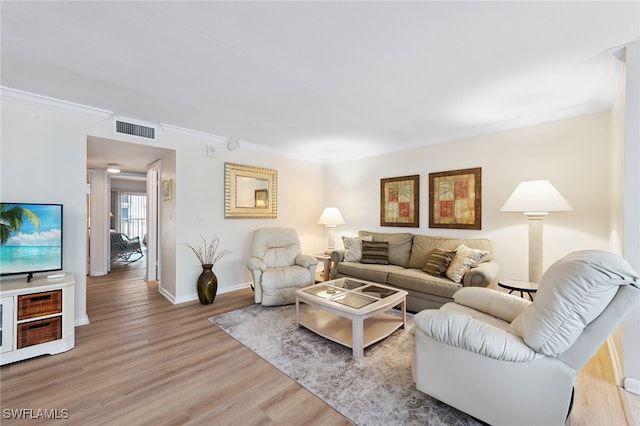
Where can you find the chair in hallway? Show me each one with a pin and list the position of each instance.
(124, 248)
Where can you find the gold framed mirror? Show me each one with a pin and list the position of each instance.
(250, 192)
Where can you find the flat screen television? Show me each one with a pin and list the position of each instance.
(30, 238)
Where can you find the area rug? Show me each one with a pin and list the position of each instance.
(376, 389)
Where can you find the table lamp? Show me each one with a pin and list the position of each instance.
(331, 217)
(535, 198)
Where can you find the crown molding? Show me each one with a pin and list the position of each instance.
(32, 99)
(184, 131)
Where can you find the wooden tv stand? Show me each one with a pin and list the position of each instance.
(37, 317)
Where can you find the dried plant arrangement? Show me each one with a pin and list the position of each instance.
(208, 253)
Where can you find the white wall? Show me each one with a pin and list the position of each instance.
(43, 159)
(128, 185)
(632, 211)
(168, 225)
(200, 193)
(573, 154)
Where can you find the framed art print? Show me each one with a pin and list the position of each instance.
(455, 199)
(400, 201)
(167, 189)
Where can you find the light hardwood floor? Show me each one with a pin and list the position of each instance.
(143, 360)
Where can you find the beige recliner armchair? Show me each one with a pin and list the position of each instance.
(278, 267)
(507, 361)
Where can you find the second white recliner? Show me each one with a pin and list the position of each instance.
(507, 361)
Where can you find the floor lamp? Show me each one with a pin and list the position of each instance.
(535, 198)
(331, 217)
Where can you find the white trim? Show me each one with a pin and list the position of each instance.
(194, 296)
(631, 385)
(167, 295)
(631, 227)
(183, 131)
(235, 287)
(154, 172)
(32, 99)
(83, 320)
(615, 362)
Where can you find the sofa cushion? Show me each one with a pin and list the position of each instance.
(438, 262)
(399, 246)
(464, 259)
(353, 248)
(572, 293)
(367, 272)
(419, 281)
(423, 245)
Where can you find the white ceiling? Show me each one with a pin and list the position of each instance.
(325, 81)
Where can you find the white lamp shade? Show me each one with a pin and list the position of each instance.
(536, 196)
(331, 216)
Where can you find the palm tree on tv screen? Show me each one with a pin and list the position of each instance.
(11, 219)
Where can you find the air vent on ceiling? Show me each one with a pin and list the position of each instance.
(133, 129)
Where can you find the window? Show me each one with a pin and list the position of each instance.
(131, 213)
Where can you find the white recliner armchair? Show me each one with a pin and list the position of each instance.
(508, 361)
(278, 267)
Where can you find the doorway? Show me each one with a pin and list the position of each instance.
(128, 228)
(133, 160)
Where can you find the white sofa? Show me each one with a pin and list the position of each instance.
(507, 361)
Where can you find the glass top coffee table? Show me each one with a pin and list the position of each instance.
(350, 312)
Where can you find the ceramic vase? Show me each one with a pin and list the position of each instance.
(207, 285)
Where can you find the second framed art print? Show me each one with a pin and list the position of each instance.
(455, 199)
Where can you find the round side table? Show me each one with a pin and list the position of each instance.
(520, 286)
(326, 263)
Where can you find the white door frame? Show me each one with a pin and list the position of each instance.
(99, 243)
(153, 224)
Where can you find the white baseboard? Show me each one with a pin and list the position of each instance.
(167, 295)
(235, 287)
(83, 320)
(194, 296)
(615, 362)
(631, 385)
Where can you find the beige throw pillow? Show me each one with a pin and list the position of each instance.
(464, 259)
(353, 248)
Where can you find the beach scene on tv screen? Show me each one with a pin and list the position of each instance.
(30, 238)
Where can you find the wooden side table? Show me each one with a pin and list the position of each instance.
(520, 286)
(326, 262)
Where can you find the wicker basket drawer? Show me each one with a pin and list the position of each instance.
(39, 304)
(40, 331)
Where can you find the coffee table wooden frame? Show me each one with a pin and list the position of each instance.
(355, 328)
